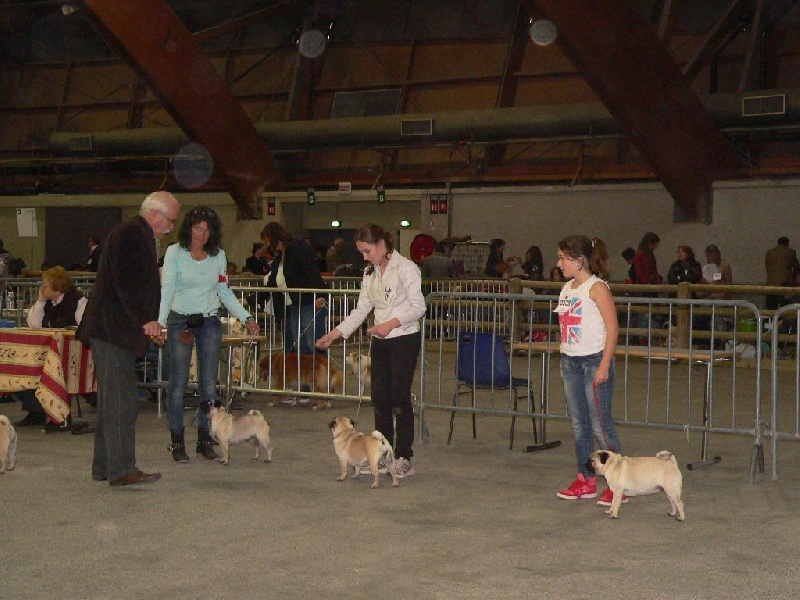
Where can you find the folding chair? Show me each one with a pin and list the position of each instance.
(482, 364)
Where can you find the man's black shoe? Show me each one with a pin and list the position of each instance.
(31, 420)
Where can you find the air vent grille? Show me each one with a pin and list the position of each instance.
(416, 127)
(755, 106)
(80, 144)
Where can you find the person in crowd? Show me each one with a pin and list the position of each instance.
(333, 257)
(392, 286)
(781, 265)
(716, 271)
(533, 267)
(496, 265)
(685, 268)
(120, 319)
(437, 265)
(589, 328)
(258, 263)
(303, 314)
(58, 304)
(628, 255)
(319, 256)
(644, 260)
(556, 274)
(6, 260)
(231, 269)
(194, 284)
(94, 254)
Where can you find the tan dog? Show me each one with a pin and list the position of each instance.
(640, 476)
(228, 430)
(354, 448)
(313, 374)
(361, 365)
(8, 445)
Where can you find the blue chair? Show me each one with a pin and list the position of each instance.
(482, 364)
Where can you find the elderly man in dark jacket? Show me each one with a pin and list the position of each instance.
(119, 320)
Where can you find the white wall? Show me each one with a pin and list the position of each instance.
(748, 218)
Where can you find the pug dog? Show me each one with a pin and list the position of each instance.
(8, 445)
(354, 448)
(639, 476)
(228, 430)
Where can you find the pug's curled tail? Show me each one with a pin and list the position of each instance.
(385, 445)
(666, 455)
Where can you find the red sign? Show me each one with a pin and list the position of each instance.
(271, 207)
(435, 205)
(443, 202)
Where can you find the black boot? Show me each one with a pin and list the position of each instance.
(205, 445)
(178, 448)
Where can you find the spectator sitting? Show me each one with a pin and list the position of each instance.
(437, 265)
(232, 269)
(319, 256)
(716, 270)
(59, 304)
(556, 274)
(781, 264)
(258, 263)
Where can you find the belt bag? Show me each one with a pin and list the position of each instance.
(193, 323)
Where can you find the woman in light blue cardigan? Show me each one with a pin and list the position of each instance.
(194, 283)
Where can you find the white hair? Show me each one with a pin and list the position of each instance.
(156, 201)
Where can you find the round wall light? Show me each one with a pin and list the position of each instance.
(336, 223)
(405, 223)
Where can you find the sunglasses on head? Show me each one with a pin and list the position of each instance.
(203, 212)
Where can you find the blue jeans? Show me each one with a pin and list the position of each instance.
(209, 347)
(309, 325)
(589, 407)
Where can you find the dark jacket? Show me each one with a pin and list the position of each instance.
(256, 266)
(94, 259)
(127, 290)
(62, 314)
(300, 270)
(689, 270)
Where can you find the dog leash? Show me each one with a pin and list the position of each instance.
(361, 382)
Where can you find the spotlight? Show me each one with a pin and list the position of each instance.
(543, 32)
(405, 223)
(312, 199)
(381, 192)
(336, 223)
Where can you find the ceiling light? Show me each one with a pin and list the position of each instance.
(543, 32)
(336, 223)
(405, 223)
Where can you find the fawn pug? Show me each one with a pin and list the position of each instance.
(639, 476)
(283, 370)
(355, 448)
(361, 365)
(229, 430)
(8, 445)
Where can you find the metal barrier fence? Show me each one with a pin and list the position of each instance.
(784, 423)
(656, 375)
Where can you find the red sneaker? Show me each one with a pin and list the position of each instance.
(607, 496)
(580, 488)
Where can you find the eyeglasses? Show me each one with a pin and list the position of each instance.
(163, 214)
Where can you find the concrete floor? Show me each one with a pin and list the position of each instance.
(476, 521)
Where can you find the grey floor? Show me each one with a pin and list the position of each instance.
(476, 521)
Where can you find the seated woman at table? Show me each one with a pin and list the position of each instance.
(194, 285)
(59, 304)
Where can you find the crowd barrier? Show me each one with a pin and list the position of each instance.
(696, 387)
(682, 363)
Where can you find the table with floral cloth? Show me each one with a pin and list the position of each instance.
(50, 361)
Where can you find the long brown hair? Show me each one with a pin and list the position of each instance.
(594, 251)
(372, 234)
